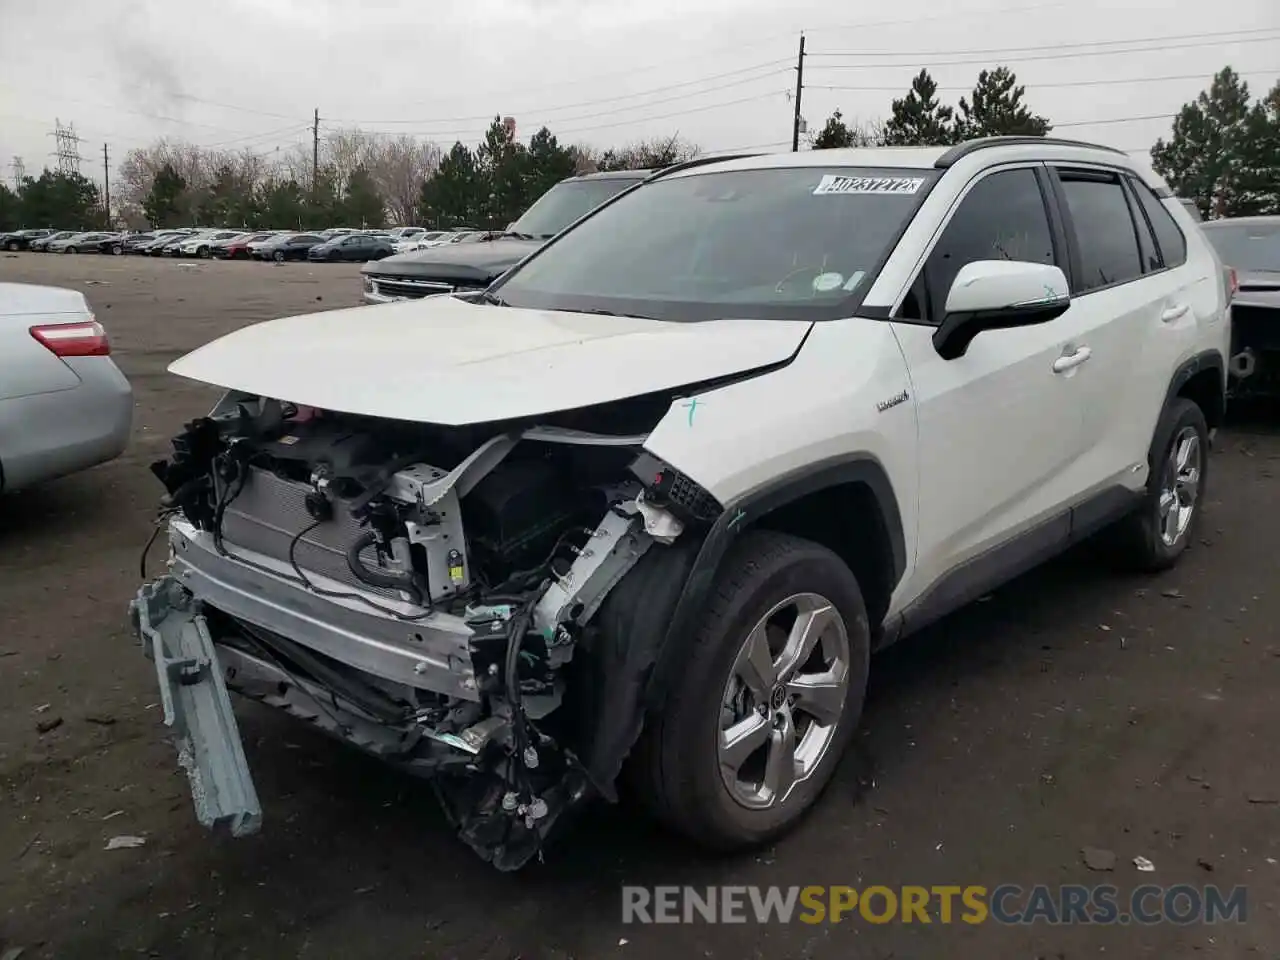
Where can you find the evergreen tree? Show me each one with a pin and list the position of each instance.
(549, 163)
(919, 118)
(163, 204)
(362, 206)
(450, 195)
(996, 109)
(1256, 174)
(1202, 156)
(10, 209)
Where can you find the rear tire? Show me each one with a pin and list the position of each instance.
(734, 758)
(1155, 536)
(13, 245)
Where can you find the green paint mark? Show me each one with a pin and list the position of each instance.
(737, 519)
(691, 405)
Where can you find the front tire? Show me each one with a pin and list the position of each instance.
(1155, 536)
(13, 245)
(71, 250)
(771, 693)
(203, 253)
(278, 256)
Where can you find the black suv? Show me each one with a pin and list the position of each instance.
(473, 266)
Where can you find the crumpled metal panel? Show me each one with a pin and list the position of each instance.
(197, 707)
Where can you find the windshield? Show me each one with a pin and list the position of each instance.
(1247, 246)
(566, 202)
(779, 243)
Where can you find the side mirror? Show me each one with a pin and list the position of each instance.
(998, 295)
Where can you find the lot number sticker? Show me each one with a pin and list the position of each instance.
(832, 184)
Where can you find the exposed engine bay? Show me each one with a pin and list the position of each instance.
(427, 594)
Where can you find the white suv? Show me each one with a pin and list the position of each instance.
(657, 494)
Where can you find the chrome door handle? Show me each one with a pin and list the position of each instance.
(1072, 360)
(1173, 313)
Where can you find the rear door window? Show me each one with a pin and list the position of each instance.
(1106, 236)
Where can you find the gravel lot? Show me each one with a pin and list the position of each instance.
(1072, 709)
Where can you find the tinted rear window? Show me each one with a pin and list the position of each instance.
(1249, 247)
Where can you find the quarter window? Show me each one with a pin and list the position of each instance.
(1173, 245)
(1105, 233)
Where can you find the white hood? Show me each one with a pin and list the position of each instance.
(442, 360)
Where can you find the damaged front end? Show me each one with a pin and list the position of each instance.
(431, 595)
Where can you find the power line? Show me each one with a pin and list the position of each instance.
(1107, 120)
(1047, 86)
(282, 132)
(953, 15)
(923, 56)
(703, 52)
(596, 102)
(993, 51)
(462, 134)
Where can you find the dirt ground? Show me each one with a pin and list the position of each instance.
(1071, 709)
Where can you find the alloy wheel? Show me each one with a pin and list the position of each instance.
(783, 702)
(1180, 486)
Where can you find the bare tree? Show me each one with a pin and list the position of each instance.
(400, 167)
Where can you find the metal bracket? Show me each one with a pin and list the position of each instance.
(617, 543)
(197, 706)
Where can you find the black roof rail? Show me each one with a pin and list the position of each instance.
(962, 150)
(698, 162)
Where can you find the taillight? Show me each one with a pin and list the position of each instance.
(83, 338)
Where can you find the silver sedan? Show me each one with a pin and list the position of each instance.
(64, 404)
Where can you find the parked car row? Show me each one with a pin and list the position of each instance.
(466, 259)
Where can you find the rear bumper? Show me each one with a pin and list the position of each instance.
(1255, 349)
(432, 653)
(49, 435)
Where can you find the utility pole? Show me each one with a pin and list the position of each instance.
(106, 186)
(795, 123)
(315, 152)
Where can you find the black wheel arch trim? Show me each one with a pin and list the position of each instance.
(655, 608)
(1205, 360)
(741, 514)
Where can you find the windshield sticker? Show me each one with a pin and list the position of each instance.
(854, 280)
(827, 281)
(832, 184)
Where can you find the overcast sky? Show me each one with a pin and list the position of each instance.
(249, 73)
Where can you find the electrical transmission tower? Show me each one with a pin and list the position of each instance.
(18, 171)
(67, 150)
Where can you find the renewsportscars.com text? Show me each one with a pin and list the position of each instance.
(1182, 904)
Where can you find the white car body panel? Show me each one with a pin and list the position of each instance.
(442, 360)
(822, 405)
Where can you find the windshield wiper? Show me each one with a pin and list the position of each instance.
(516, 235)
(494, 299)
